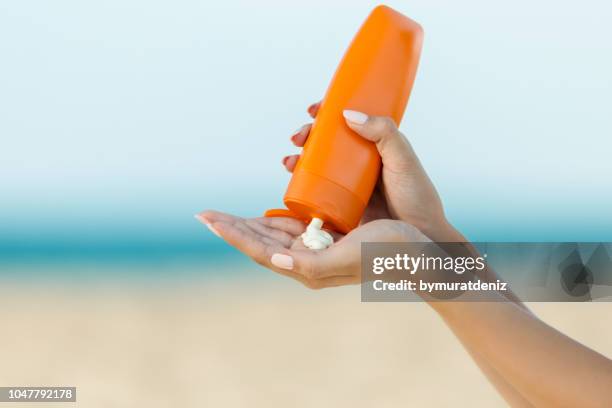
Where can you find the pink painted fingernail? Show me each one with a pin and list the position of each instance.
(297, 133)
(282, 261)
(358, 118)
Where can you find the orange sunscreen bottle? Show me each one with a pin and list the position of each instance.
(337, 171)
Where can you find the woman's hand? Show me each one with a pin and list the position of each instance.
(404, 191)
(276, 244)
(404, 197)
(524, 375)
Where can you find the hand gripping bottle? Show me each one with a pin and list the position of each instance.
(337, 171)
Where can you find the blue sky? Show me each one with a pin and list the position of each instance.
(121, 119)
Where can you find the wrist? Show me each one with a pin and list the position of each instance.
(441, 231)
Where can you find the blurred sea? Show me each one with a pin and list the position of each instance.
(75, 260)
(189, 251)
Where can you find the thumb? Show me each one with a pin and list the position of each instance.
(394, 148)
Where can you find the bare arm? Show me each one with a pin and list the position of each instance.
(545, 366)
(529, 362)
(446, 233)
(519, 352)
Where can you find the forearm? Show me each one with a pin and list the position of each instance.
(525, 358)
(545, 366)
(504, 388)
(446, 233)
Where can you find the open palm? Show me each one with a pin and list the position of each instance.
(263, 239)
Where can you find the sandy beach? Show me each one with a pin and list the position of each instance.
(257, 341)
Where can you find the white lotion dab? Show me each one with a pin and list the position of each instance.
(315, 237)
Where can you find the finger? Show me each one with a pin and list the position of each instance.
(210, 216)
(395, 151)
(291, 226)
(255, 248)
(300, 136)
(284, 265)
(290, 161)
(313, 265)
(314, 109)
(248, 226)
(274, 234)
(255, 234)
(247, 241)
(321, 264)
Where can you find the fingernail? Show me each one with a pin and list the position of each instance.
(201, 218)
(298, 131)
(282, 261)
(208, 225)
(213, 230)
(358, 118)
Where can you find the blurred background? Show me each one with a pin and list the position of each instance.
(119, 120)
